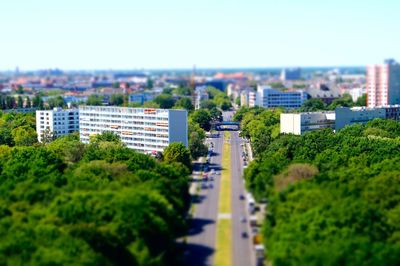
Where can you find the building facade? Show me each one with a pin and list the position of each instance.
(56, 122)
(290, 74)
(146, 130)
(140, 97)
(299, 123)
(270, 98)
(346, 116)
(383, 84)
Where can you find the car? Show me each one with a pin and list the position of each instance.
(241, 197)
(218, 173)
(204, 186)
(210, 186)
(244, 235)
(243, 219)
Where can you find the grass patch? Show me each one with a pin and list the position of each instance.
(223, 255)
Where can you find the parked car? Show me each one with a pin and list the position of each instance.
(245, 235)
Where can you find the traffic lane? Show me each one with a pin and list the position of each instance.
(242, 246)
(201, 238)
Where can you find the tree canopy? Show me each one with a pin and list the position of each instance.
(69, 203)
(332, 197)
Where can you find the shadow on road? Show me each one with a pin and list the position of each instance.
(197, 225)
(197, 255)
(197, 199)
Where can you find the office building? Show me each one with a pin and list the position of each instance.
(346, 116)
(299, 123)
(146, 130)
(383, 84)
(140, 97)
(56, 122)
(270, 98)
(290, 74)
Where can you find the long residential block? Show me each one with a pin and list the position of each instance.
(146, 130)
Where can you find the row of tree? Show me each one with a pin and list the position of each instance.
(11, 102)
(333, 198)
(69, 203)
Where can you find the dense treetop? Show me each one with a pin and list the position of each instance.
(333, 198)
(69, 203)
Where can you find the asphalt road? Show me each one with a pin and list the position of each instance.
(243, 253)
(202, 233)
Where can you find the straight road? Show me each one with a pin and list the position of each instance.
(243, 253)
(202, 233)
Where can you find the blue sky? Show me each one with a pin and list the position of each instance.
(133, 34)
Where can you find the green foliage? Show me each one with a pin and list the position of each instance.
(312, 105)
(69, 203)
(362, 100)
(258, 125)
(332, 198)
(196, 140)
(344, 101)
(117, 99)
(202, 117)
(176, 152)
(95, 99)
(57, 101)
(165, 101)
(184, 103)
(277, 85)
(182, 91)
(217, 99)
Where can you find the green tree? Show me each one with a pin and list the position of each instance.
(28, 102)
(149, 83)
(20, 89)
(184, 103)
(362, 100)
(208, 104)
(24, 136)
(106, 136)
(57, 101)
(20, 102)
(117, 99)
(313, 105)
(177, 152)
(37, 102)
(202, 118)
(95, 99)
(165, 101)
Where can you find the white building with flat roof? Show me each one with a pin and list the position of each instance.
(268, 97)
(299, 123)
(346, 116)
(56, 122)
(147, 130)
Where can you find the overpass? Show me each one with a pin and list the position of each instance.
(226, 125)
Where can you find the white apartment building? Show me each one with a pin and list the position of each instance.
(248, 97)
(270, 98)
(146, 130)
(57, 122)
(299, 123)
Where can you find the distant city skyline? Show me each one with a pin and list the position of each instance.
(177, 34)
